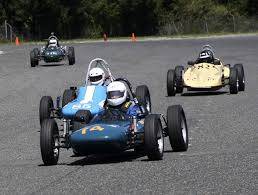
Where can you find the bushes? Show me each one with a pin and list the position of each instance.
(92, 18)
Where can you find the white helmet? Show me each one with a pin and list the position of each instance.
(52, 42)
(97, 76)
(116, 93)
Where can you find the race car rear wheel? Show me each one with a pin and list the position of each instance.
(68, 96)
(34, 57)
(143, 96)
(153, 137)
(177, 128)
(81, 118)
(179, 79)
(233, 81)
(171, 88)
(49, 142)
(71, 55)
(241, 76)
(45, 106)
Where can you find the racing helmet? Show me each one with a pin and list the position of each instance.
(52, 42)
(206, 56)
(116, 93)
(97, 76)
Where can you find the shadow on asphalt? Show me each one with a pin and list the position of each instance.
(51, 65)
(204, 93)
(127, 156)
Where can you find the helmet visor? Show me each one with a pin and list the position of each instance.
(96, 78)
(115, 94)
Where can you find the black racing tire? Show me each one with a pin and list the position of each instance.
(49, 142)
(68, 96)
(171, 88)
(143, 96)
(177, 128)
(233, 81)
(241, 76)
(45, 106)
(81, 118)
(34, 57)
(71, 56)
(153, 137)
(179, 79)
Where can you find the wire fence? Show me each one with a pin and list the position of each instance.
(170, 26)
(229, 24)
(7, 32)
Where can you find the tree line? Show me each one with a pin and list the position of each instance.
(35, 19)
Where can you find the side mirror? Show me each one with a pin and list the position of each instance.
(191, 63)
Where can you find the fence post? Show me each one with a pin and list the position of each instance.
(206, 27)
(5, 26)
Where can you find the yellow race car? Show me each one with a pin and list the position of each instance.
(207, 73)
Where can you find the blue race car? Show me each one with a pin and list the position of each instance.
(114, 131)
(87, 100)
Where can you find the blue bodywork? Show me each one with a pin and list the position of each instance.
(90, 98)
(107, 133)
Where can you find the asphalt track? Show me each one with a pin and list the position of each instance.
(222, 156)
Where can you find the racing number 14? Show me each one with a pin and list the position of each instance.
(95, 128)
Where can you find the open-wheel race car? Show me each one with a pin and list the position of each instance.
(113, 131)
(207, 73)
(52, 52)
(88, 99)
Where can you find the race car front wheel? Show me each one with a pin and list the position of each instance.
(241, 76)
(68, 96)
(34, 57)
(233, 81)
(153, 137)
(143, 96)
(177, 128)
(49, 142)
(179, 79)
(171, 89)
(71, 56)
(45, 106)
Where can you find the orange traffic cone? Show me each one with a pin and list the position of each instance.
(105, 37)
(133, 37)
(17, 42)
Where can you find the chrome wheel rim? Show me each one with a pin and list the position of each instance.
(160, 141)
(148, 104)
(55, 148)
(183, 129)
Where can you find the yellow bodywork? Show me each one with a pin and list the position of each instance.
(205, 75)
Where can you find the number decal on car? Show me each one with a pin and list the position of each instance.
(96, 128)
(84, 131)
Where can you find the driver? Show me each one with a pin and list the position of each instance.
(206, 56)
(117, 98)
(97, 76)
(52, 40)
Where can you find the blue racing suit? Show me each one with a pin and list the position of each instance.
(133, 110)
